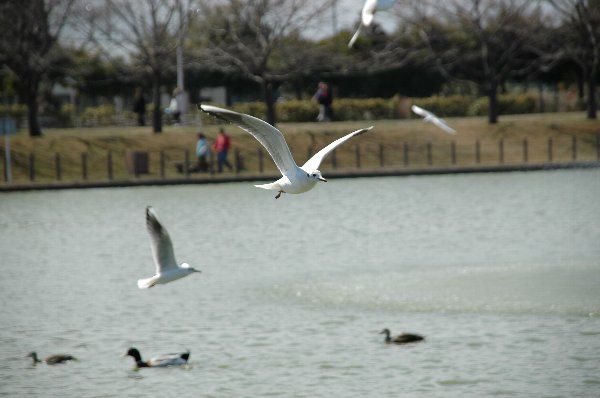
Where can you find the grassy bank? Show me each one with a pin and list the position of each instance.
(534, 138)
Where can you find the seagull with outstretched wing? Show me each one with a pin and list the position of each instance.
(294, 179)
(167, 269)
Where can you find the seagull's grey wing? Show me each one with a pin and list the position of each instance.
(162, 247)
(313, 163)
(441, 123)
(267, 135)
(421, 112)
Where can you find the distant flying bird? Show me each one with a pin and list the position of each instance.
(52, 359)
(402, 338)
(431, 118)
(167, 269)
(295, 179)
(367, 15)
(160, 361)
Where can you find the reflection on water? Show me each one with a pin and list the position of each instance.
(498, 271)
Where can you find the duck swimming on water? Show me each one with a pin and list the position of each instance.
(402, 338)
(52, 359)
(160, 361)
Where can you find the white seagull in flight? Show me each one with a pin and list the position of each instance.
(431, 118)
(295, 179)
(367, 15)
(167, 269)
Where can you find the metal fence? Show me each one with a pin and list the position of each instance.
(97, 165)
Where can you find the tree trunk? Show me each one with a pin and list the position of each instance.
(268, 97)
(157, 112)
(493, 98)
(592, 103)
(31, 94)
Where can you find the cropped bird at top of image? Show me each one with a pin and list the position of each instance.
(368, 14)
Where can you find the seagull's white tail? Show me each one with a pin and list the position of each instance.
(146, 283)
(273, 186)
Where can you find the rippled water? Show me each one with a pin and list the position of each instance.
(500, 272)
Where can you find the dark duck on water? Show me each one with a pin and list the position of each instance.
(402, 338)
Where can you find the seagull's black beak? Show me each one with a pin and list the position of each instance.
(322, 179)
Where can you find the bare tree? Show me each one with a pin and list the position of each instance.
(29, 30)
(254, 39)
(484, 41)
(581, 43)
(147, 32)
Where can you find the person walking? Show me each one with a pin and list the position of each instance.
(139, 107)
(221, 147)
(202, 153)
(175, 107)
(324, 98)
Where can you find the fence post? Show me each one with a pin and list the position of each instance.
(186, 165)
(211, 163)
(309, 152)
(32, 167)
(260, 161)
(381, 156)
(477, 152)
(84, 166)
(109, 165)
(453, 152)
(550, 149)
(357, 156)
(57, 167)
(429, 154)
(238, 161)
(597, 146)
(161, 156)
(525, 151)
(501, 150)
(574, 147)
(405, 153)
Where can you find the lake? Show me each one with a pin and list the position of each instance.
(500, 273)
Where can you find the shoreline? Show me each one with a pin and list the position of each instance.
(214, 179)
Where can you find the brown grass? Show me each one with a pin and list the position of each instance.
(387, 139)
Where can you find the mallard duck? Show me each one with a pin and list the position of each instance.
(402, 338)
(160, 361)
(52, 359)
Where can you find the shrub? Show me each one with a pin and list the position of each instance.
(507, 104)
(16, 111)
(451, 106)
(297, 111)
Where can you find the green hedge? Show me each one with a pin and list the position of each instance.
(507, 103)
(392, 108)
(16, 111)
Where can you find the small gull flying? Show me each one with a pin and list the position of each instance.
(167, 269)
(431, 118)
(295, 179)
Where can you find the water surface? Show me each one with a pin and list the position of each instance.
(500, 272)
